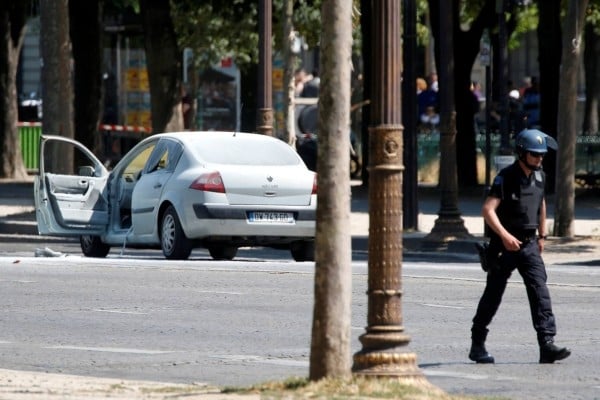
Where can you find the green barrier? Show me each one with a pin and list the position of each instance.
(29, 135)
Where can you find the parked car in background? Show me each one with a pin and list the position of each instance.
(178, 191)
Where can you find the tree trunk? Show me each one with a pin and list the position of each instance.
(12, 29)
(549, 42)
(85, 18)
(467, 105)
(567, 121)
(288, 75)
(330, 346)
(591, 61)
(465, 52)
(164, 66)
(57, 90)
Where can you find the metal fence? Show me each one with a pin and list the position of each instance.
(587, 150)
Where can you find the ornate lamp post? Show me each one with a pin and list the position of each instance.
(382, 353)
(265, 92)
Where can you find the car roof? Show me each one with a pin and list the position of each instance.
(188, 137)
(240, 148)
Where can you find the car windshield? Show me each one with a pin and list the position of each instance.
(246, 150)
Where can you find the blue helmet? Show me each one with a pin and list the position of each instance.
(534, 140)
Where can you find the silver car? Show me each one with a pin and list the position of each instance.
(178, 191)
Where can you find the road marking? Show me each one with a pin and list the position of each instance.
(120, 311)
(218, 292)
(442, 306)
(452, 374)
(262, 360)
(110, 349)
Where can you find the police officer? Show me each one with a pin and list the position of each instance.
(515, 211)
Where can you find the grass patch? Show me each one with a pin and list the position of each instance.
(355, 387)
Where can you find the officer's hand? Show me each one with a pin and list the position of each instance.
(511, 243)
(541, 245)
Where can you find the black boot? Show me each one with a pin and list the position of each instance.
(478, 352)
(549, 352)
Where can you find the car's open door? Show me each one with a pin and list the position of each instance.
(70, 189)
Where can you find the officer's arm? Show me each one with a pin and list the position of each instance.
(491, 218)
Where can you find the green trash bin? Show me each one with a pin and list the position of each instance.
(29, 135)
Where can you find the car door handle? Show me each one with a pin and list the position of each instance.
(157, 185)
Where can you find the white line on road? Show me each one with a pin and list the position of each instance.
(218, 292)
(451, 374)
(262, 360)
(120, 311)
(442, 306)
(110, 349)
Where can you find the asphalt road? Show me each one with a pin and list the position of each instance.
(137, 316)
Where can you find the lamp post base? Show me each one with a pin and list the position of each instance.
(382, 356)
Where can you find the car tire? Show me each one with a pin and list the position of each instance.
(173, 242)
(93, 246)
(303, 250)
(222, 252)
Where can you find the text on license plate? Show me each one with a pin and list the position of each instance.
(271, 217)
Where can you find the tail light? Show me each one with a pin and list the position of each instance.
(209, 182)
(314, 188)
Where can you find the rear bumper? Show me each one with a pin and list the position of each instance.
(204, 212)
(228, 223)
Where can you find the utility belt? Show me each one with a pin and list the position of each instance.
(526, 235)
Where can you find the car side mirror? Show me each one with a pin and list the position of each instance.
(86, 171)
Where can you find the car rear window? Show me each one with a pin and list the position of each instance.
(246, 150)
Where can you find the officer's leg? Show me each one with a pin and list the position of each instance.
(488, 305)
(534, 276)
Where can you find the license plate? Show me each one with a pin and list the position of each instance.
(268, 217)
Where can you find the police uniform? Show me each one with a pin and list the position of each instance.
(521, 198)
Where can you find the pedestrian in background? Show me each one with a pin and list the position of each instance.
(515, 211)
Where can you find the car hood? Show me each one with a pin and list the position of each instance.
(288, 185)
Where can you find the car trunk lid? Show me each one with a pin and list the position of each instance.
(282, 185)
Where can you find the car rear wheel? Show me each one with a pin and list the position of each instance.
(303, 250)
(222, 252)
(92, 246)
(175, 245)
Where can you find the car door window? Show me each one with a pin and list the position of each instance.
(132, 171)
(164, 157)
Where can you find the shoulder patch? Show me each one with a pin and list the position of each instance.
(498, 180)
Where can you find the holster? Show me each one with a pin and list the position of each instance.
(488, 257)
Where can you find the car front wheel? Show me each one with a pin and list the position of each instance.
(303, 250)
(92, 246)
(175, 245)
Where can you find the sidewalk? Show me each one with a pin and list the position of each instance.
(17, 216)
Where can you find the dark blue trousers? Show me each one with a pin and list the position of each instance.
(530, 265)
